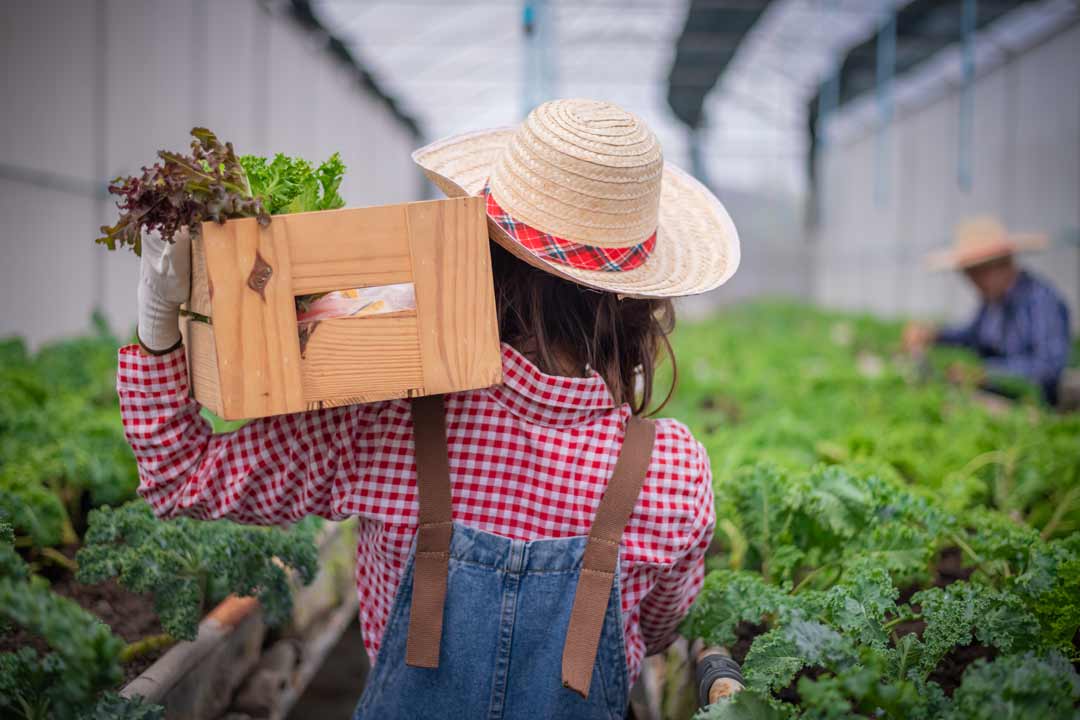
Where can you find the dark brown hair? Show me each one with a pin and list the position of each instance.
(563, 327)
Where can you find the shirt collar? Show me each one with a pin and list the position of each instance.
(549, 398)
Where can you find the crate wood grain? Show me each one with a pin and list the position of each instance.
(245, 352)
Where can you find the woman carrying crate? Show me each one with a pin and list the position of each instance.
(521, 547)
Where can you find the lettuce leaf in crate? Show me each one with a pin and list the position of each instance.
(290, 184)
(182, 190)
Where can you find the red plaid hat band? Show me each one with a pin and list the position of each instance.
(568, 252)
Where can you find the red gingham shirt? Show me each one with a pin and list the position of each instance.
(529, 459)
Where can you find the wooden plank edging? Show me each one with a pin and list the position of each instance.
(197, 679)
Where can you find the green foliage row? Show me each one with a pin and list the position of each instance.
(795, 386)
(823, 556)
(62, 446)
(188, 564)
(67, 476)
(846, 478)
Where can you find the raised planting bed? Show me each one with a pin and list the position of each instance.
(238, 662)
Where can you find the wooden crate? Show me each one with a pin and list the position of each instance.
(248, 360)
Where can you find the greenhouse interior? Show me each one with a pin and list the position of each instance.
(657, 359)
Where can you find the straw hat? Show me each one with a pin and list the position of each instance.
(981, 240)
(581, 190)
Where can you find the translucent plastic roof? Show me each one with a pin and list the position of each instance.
(466, 65)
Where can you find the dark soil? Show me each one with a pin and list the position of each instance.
(130, 615)
(950, 567)
(791, 693)
(951, 668)
(744, 637)
(16, 638)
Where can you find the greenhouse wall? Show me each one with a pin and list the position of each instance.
(93, 89)
(875, 227)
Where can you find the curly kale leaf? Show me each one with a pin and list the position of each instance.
(290, 185)
(1018, 687)
(1050, 586)
(186, 564)
(84, 657)
(33, 509)
(111, 706)
(962, 611)
(746, 705)
(795, 523)
(182, 190)
(727, 598)
(12, 566)
(859, 604)
(776, 657)
(859, 689)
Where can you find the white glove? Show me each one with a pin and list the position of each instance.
(164, 284)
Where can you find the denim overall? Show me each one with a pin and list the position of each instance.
(514, 633)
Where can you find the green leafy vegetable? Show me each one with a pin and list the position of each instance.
(1018, 687)
(291, 185)
(111, 706)
(188, 563)
(182, 190)
(84, 654)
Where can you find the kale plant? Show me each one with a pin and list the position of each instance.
(83, 654)
(187, 564)
(836, 580)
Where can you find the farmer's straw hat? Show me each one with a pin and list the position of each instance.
(581, 190)
(981, 240)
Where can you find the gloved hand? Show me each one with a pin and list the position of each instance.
(164, 284)
(718, 675)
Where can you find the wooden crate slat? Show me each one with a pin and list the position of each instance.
(255, 332)
(455, 302)
(202, 361)
(370, 247)
(200, 300)
(380, 354)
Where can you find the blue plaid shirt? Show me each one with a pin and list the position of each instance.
(1025, 334)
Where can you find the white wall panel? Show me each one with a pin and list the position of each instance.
(1025, 169)
(48, 268)
(47, 86)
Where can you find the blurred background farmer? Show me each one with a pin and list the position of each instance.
(1021, 329)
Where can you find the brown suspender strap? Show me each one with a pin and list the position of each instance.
(431, 563)
(602, 554)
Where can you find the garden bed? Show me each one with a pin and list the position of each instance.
(198, 679)
(96, 594)
(888, 543)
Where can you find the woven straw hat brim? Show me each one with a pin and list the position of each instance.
(697, 246)
(961, 258)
